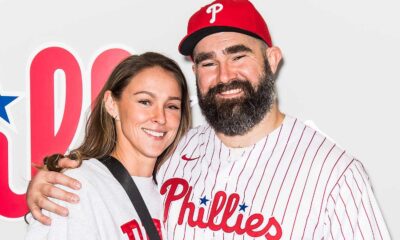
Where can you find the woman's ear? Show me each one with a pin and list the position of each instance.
(110, 105)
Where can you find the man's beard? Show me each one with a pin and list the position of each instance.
(237, 116)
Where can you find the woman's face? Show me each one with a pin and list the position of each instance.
(149, 111)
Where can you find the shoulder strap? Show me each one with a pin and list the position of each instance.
(124, 178)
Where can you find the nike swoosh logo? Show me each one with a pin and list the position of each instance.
(186, 158)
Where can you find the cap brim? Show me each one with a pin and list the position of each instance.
(189, 42)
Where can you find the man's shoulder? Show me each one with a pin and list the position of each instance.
(327, 151)
(335, 160)
(195, 133)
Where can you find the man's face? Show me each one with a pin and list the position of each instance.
(224, 56)
(235, 84)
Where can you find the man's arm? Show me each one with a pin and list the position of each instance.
(42, 187)
(353, 212)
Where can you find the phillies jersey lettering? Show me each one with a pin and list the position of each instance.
(223, 206)
(292, 184)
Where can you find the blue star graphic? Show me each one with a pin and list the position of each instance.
(243, 207)
(4, 101)
(204, 200)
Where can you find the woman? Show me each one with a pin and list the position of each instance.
(138, 119)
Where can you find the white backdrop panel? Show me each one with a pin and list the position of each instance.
(340, 70)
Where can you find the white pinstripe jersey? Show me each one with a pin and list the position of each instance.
(292, 184)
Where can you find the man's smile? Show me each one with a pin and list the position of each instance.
(232, 93)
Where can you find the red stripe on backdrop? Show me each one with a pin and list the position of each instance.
(12, 205)
(44, 140)
(103, 66)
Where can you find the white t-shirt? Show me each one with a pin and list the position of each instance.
(104, 211)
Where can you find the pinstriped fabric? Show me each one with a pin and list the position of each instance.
(351, 209)
(292, 184)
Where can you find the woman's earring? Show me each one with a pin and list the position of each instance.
(116, 117)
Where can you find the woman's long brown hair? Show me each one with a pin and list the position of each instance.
(100, 132)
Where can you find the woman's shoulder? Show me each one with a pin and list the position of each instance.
(90, 170)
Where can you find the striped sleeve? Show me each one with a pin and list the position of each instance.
(352, 211)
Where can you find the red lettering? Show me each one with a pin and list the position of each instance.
(11, 205)
(103, 66)
(157, 223)
(231, 207)
(186, 205)
(222, 206)
(43, 139)
(253, 222)
(217, 205)
(200, 222)
(172, 195)
(278, 229)
(129, 228)
(238, 225)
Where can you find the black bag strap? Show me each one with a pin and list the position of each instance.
(125, 179)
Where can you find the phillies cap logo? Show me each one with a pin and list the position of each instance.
(214, 9)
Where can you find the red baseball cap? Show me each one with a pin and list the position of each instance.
(224, 16)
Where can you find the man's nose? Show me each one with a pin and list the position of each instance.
(226, 73)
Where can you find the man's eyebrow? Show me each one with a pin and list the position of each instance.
(203, 56)
(229, 50)
(236, 49)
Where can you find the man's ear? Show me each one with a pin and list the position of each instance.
(110, 104)
(194, 69)
(274, 56)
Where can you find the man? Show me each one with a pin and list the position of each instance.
(251, 172)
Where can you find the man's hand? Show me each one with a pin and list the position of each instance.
(42, 186)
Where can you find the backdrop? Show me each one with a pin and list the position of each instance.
(340, 71)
